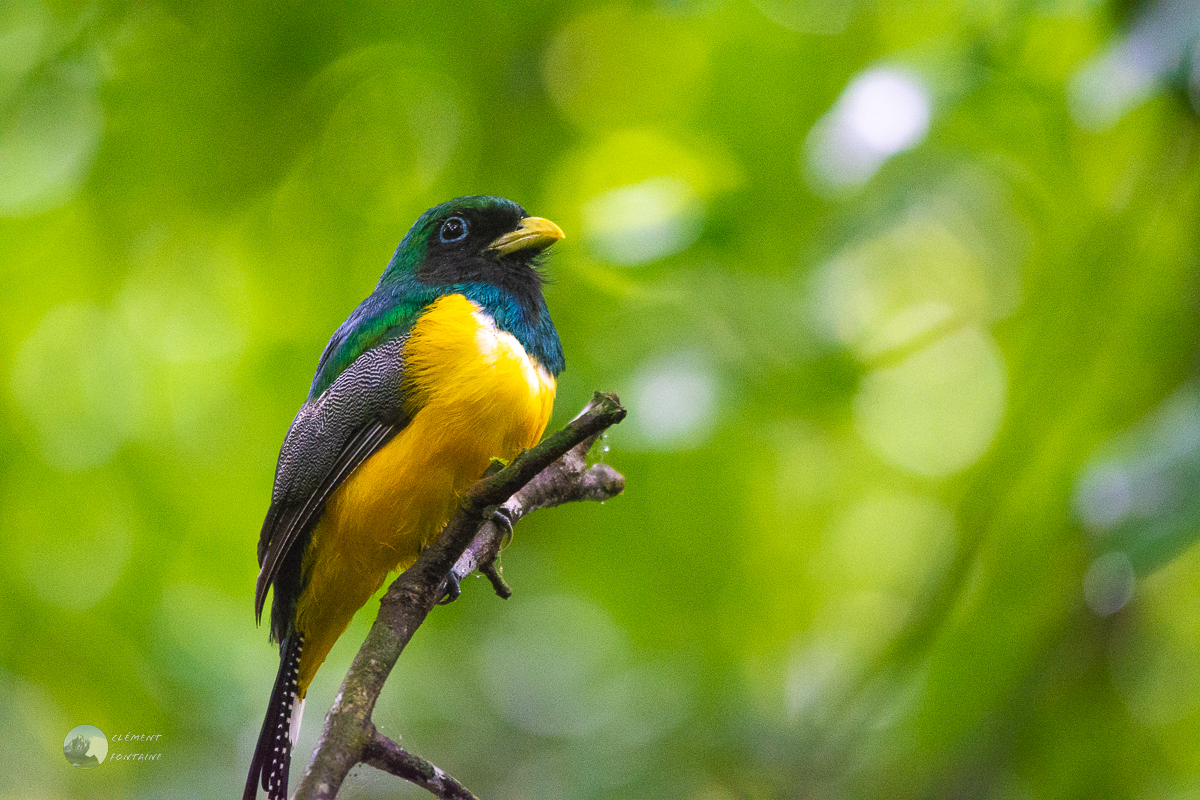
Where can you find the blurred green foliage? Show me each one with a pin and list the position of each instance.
(902, 298)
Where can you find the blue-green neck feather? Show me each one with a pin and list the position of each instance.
(532, 327)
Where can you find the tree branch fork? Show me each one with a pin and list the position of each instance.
(552, 473)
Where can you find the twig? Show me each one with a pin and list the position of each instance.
(549, 474)
(382, 753)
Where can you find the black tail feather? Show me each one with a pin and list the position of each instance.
(273, 753)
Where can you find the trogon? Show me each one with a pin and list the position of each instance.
(451, 362)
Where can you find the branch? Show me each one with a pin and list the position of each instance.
(567, 480)
(551, 473)
(382, 753)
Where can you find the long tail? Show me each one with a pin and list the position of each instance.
(281, 727)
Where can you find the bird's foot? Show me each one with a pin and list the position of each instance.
(453, 589)
(502, 518)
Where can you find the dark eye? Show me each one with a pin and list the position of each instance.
(453, 230)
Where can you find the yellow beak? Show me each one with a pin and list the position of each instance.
(533, 233)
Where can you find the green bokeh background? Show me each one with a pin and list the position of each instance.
(914, 437)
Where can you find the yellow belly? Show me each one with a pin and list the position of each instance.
(477, 395)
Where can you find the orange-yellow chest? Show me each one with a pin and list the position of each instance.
(474, 395)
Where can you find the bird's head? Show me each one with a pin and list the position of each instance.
(474, 240)
(484, 248)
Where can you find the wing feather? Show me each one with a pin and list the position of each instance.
(349, 422)
(300, 518)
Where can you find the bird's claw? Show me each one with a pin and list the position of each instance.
(502, 518)
(453, 589)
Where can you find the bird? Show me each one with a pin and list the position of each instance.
(451, 362)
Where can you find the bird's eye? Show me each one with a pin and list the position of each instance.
(453, 230)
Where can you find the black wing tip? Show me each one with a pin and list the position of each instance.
(260, 599)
